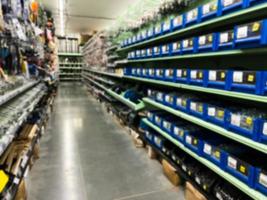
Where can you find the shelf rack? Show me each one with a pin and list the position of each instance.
(233, 18)
(70, 54)
(120, 98)
(100, 79)
(217, 129)
(72, 64)
(103, 73)
(72, 68)
(234, 181)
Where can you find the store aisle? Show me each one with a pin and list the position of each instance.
(84, 155)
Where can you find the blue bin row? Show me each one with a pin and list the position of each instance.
(250, 35)
(230, 157)
(205, 12)
(253, 82)
(251, 124)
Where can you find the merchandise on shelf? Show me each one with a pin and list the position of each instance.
(225, 40)
(231, 5)
(207, 42)
(209, 10)
(197, 77)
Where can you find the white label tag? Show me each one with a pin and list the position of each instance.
(193, 106)
(165, 124)
(150, 71)
(228, 2)
(16, 181)
(242, 32)
(167, 98)
(197, 180)
(176, 130)
(202, 40)
(212, 75)
(263, 179)
(232, 162)
(211, 112)
(235, 120)
(206, 8)
(179, 73)
(193, 74)
(265, 128)
(207, 149)
(175, 46)
(164, 48)
(178, 21)
(166, 26)
(179, 102)
(188, 139)
(158, 72)
(185, 43)
(238, 77)
(167, 72)
(191, 15)
(224, 37)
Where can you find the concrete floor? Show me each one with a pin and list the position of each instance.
(85, 155)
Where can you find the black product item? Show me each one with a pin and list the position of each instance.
(206, 179)
(167, 148)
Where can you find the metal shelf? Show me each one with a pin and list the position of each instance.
(229, 19)
(62, 64)
(70, 54)
(239, 95)
(69, 74)
(234, 181)
(70, 79)
(103, 73)
(100, 79)
(75, 68)
(217, 129)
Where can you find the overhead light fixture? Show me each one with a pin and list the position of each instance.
(61, 16)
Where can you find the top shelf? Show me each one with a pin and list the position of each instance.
(230, 19)
(70, 54)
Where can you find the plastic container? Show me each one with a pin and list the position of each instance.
(156, 51)
(207, 42)
(177, 22)
(197, 108)
(169, 100)
(134, 71)
(225, 40)
(149, 53)
(145, 72)
(151, 94)
(160, 97)
(213, 152)
(180, 129)
(250, 35)
(189, 45)
(137, 54)
(216, 114)
(217, 79)
(209, 10)
(160, 73)
(254, 2)
(198, 77)
(152, 73)
(143, 53)
(127, 71)
(263, 131)
(182, 75)
(261, 180)
(157, 30)
(195, 142)
(248, 82)
(169, 74)
(167, 125)
(166, 26)
(131, 55)
(176, 48)
(158, 141)
(191, 17)
(166, 50)
(139, 72)
(206, 179)
(149, 136)
(150, 33)
(227, 6)
(182, 103)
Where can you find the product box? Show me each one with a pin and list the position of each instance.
(160, 97)
(149, 52)
(217, 79)
(227, 6)
(261, 180)
(209, 10)
(197, 108)
(198, 77)
(166, 50)
(127, 71)
(171, 174)
(149, 136)
(180, 129)
(177, 22)
(206, 179)
(160, 73)
(216, 114)
(182, 103)
(176, 48)
(166, 26)
(189, 45)
(152, 73)
(158, 141)
(250, 35)
(182, 75)
(169, 74)
(156, 51)
(191, 193)
(170, 100)
(254, 2)
(213, 152)
(207, 42)
(191, 17)
(247, 81)
(225, 40)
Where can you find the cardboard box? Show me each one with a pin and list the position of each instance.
(191, 193)
(151, 153)
(171, 173)
(22, 192)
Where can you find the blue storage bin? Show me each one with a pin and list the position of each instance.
(240, 169)
(176, 48)
(195, 142)
(145, 72)
(225, 40)
(169, 100)
(250, 35)
(160, 74)
(169, 74)
(157, 51)
(157, 30)
(189, 45)
(180, 129)
(264, 82)
(144, 35)
(158, 118)
(207, 42)
(158, 141)
(160, 97)
(166, 26)
(167, 124)
(150, 33)
(166, 50)
(209, 10)
(127, 71)
(227, 6)
(137, 54)
(131, 55)
(152, 73)
(216, 114)
(177, 22)
(151, 94)
(139, 37)
(149, 136)
(152, 114)
(149, 52)
(261, 180)
(133, 40)
(247, 81)
(244, 124)
(182, 103)
(197, 108)
(217, 79)
(263, 131)
(134, 71)
(139, 72)
(198, 77)
(143, 53)
(182, 75)
(254, 2)
(191, 17)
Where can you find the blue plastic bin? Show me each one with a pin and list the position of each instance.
(225, 40)
(139, 72)
(169, 100)
(160, 74)
(252, 34)
(152, 73)
(189, 45)
(182, 103)
(214, 153)
(166, 50)
(167, 125)
(143, 53)
(158, 141)
(263, 131)
(177, 22)
(182, 75)
(180, 129)
(157, 30)
(150, 33)
(157, 51)
(149, 136)
(127, 71)
(216, 114)
(137, 54)
(227, 6)
(197, 108)
(131, 55)
(217, 79)
(195, 142)
(207, 42)
(209, 10)
(176, 48)
(145, 72)
(261, 180)
(198, 77)
(166, 26)
(160, 97)
(169, 74)
(151, 94)
(254, 2)
(149, 52)
(133, 71)
(191, 17)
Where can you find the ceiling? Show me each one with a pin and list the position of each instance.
(85, 16)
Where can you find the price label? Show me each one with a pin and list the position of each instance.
(188, 139)
(242, 32)
(178, 21)
(165, 124)
(176, 46)
(179, 73)
(232, 162)
(224, 37)
(167, 98)
(212, 112)
(179, 102)
(238, 77)
(263, 179)
(176, 131)
(228, 2)
(193, 74)
(164, 48)
(235, 120)
(193, 106)
(191, 15)
(202, 40)
(185, 43)
(206, 9)
(265, 128)
(207, 149)
(212, 75)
